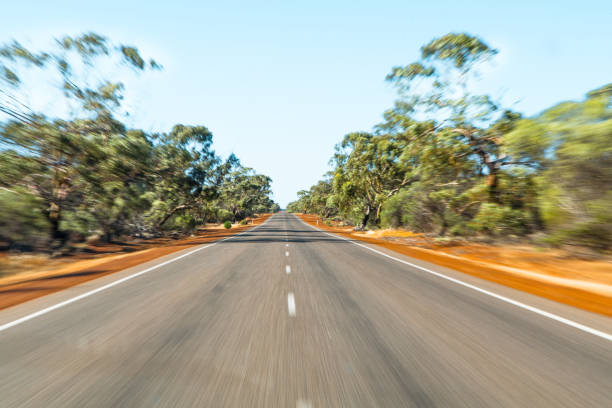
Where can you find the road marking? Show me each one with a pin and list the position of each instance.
(303, 404)
(286, 253)
(115, 283)
(291, 304)
(288, 269)
(287, 245)
(533, 309)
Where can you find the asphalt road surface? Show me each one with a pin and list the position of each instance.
(288, 316)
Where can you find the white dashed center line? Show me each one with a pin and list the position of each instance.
(291, 304)
(286, 253)
(288, 269)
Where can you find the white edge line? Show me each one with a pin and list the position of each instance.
(114, 283)
(533, 309)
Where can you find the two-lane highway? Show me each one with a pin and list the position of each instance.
(289, 316)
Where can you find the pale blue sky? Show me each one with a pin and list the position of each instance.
(279, 83)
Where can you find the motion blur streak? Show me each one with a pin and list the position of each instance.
(212, 329)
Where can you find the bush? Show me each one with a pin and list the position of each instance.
(592, 228)
(407, 209)
(461, 229)
(22, 219)
(244, 222)
(227, 224)
(591, 235)
(224, 215)
(498, 220)
(183, 222)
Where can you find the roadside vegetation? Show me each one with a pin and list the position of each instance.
(87, 174)
(448, 161)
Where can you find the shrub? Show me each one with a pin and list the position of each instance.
(498, 220)
(244, 222)
(22, 219)
(461, 229)
(224, 215)
(183, 222)
(407, 209)
(227, 224)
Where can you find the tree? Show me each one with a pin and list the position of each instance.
(55, 159)
(368, 171)
(438, 85)
(184, 171)
(86, 173)
(245, 193)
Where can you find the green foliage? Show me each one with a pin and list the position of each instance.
(244, 193)
(22, 220)
(227, 224)
(500, 220)
(185, 222)
(224, 215)
(462, 49)
(407, 210)
(244, 222)
(64, 179)
(448, 161)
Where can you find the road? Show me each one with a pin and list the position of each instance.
(288, 316)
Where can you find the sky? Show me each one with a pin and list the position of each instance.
(280, 83)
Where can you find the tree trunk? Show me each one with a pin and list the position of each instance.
(537, 219)
(377, 219)
(492, 165)
(108, 236)
(366, 217)
(54, 217)
(493, 183)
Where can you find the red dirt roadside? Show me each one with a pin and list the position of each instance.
(71, 271)
(579, 283)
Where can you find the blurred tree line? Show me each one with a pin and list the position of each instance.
(451, 162)
(65, 179)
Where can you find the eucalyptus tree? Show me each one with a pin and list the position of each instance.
(368, 170)
(437, 87)
(184, 169)
(320, 199)
(61, 160)
(244, 193)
